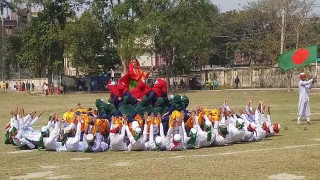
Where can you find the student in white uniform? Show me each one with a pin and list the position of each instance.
(116, 136)
(70, 143)
(205, 137)
(175, 142)
(27, 137)
(159, 142)
(137, 143)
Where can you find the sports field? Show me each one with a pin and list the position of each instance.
(292, 154)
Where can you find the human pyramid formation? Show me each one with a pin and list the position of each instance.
(82, 129)
(142, 118)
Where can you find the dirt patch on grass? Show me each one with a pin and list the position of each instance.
(59, 177)
(80, 159)
(33, 175)
(20, 151)
(49, 167)
(285, 176)
(121, 164)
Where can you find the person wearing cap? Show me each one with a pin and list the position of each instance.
(220, 129)
(260, 133)
(117, 134)
(270, 128)
(27, 137)
(137, 143)
(206, 136)
(222, 134)
(70, 142)
(191, 141)
(157, 143)
(95, 142)
(304, 98)
(236, 130)
(175, 142)
(51, 143)
(8, 127)
(249, 132)
(49, 138)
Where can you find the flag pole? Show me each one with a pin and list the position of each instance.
(317, 63)
(316, 69)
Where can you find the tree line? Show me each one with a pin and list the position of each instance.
(98, 34)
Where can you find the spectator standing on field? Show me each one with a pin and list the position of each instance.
(215, 84)
(51, 88)
(28, 86)
(59, 89)
(46, 89)
(237, 81)
(63, 87)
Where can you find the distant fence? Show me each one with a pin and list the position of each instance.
(255, 77)
(250, 77)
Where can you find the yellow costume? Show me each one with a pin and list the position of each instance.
(68, 116)
(175, 115)
(156, 121)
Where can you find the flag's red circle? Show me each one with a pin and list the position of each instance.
(300, 56)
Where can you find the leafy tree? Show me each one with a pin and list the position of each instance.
(85, 48)
(12, 47)
(41, 45)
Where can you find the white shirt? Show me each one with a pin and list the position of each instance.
(117, 141)
(304, 87)
(170, 146)
(139, 144)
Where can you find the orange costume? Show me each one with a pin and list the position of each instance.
(211, 114)
(102, 126)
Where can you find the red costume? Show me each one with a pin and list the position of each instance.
(141, 90)
(134, 75)
(59, 89)
(51, 88)
(160, 87)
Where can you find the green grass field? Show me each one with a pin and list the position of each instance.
(292, 154)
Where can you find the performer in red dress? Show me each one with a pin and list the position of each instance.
(135, 74)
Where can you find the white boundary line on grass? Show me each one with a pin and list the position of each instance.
(190, 156)
(253, 150)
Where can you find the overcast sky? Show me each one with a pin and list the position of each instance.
(226, 5)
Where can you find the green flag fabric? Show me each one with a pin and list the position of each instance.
(298, 57)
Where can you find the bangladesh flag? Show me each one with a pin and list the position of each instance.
(298, 57)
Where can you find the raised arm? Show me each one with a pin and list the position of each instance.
(161, 126)
(36, 119)
(145, 132)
